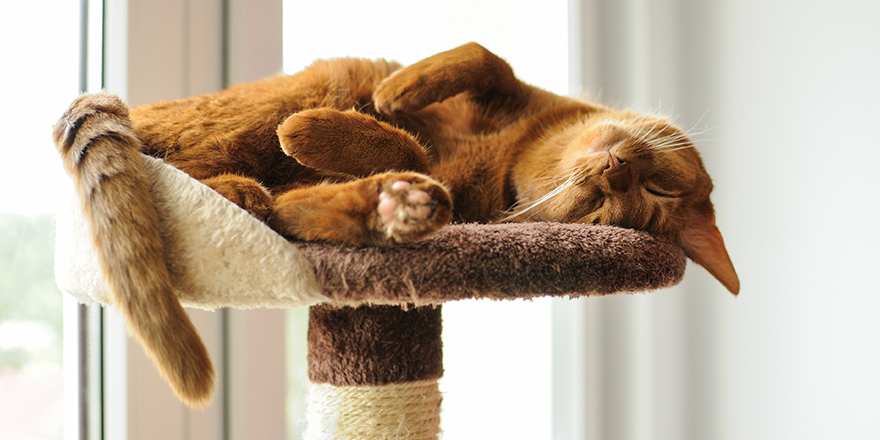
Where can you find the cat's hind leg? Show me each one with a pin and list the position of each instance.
(349, 142)
(471, 71)
(245, 192)
(467, 68)
(382, 209)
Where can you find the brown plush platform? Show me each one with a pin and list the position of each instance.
(504, 261)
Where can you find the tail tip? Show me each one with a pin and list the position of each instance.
(197, 390)
(65, 130)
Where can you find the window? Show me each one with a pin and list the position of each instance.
(40, 77)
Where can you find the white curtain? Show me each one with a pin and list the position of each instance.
(784, 95)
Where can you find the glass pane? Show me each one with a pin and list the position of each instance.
(496, 355)
(40, 78)
(297, 326)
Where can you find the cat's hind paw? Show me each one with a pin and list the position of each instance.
(411, 206)
(379, 210)
(467, 68)
(244, 192)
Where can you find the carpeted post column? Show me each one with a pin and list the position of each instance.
(374, 372)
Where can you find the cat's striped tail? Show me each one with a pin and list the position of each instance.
(101, 152)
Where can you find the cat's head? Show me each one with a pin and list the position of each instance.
(631, 170)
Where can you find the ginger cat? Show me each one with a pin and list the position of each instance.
(343, 151)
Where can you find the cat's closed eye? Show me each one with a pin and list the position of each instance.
(653, 189)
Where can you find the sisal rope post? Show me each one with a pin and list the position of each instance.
(374, 373)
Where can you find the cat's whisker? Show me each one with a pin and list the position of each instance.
(572, 178)
(645, 137)
(553, 180)
(652, 136)
(534, 186)
(682, 147)
(657, 122)
(668, 141)
(691, 131)
(531, 205)
(673, 147)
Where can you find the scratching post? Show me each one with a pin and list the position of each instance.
(374, 372)
(375, 352)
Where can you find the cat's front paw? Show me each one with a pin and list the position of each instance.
(411, 206)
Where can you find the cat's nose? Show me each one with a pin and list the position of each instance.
(617, 173)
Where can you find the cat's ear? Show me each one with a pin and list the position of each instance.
(702, 243)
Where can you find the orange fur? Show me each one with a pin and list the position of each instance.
(342, 152)
(510, 151)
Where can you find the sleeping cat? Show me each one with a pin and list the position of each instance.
(343, 151)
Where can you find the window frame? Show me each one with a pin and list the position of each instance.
(145, 51)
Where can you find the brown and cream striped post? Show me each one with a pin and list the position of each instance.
(374, 372)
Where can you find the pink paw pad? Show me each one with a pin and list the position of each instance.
(401, 206)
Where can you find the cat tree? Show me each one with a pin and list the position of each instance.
(375, 349)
